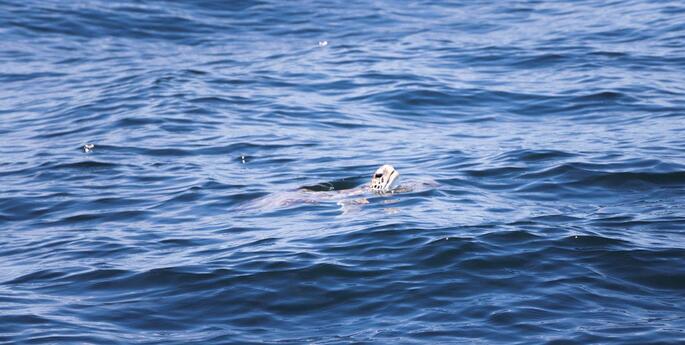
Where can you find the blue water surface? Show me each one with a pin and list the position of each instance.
(541, 144)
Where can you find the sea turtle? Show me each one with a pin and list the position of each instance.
(384, 182)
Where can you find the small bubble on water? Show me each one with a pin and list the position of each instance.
(87, 148)
(323, 43)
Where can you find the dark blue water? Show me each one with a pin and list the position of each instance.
(543, 142)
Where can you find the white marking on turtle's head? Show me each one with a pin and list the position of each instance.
(384, 178)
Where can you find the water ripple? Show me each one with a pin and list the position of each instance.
(539, 146)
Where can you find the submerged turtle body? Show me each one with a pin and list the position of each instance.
(383, 182)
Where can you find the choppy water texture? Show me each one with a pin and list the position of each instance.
(551, 132)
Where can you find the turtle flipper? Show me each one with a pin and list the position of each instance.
(347, 206)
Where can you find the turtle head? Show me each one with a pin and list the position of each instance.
(384, 178)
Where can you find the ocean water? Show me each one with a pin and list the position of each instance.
(542, 144)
